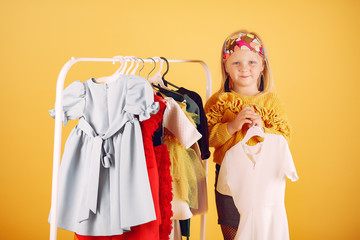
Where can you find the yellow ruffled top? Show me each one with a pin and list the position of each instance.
(223, 108)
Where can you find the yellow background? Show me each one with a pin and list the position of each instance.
(314, 54)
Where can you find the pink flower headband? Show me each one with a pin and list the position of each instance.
(242, 41)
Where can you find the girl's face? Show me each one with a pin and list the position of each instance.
(244, 68)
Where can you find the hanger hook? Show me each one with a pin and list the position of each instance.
(167, 70)
(131, 58)
(137, 65)
(126, 58)
(151, 69)
(161, 63)
(121, 60)
(142, 65)
(167, 67)
(116, 58)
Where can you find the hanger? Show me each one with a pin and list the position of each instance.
(117, 72)
(251, 132)
(179, 97)
(131, 58)
(135, 59)
(114, 75)
(169, 93)
(157, 79)
(121, 63)
(126, 59)
(142, 65)
(151, 69)
(163, 76)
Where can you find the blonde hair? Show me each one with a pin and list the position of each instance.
(268, 79)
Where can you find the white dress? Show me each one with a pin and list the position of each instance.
(255, 177)
(103, 182)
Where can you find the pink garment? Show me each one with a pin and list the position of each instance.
(178, 124)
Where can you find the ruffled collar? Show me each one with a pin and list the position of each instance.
(235, 102)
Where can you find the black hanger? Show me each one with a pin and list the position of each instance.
(177, 96)
(167, 69)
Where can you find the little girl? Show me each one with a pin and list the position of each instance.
(246, 98)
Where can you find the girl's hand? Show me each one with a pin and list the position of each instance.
(257, 121)
(246, 116)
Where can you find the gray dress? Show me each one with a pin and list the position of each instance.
(103, 182)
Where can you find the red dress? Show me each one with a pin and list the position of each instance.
(166, 195)
(158, 166)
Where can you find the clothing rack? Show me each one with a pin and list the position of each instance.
(58, 128)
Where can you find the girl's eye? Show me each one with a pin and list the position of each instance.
(252, 62)
(236, 63)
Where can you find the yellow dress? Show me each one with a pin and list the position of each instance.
(186, 169)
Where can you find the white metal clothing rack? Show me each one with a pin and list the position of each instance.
(58, 129)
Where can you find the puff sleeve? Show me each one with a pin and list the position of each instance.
(140, 98)
(289, 169)
(215, 109)
(73, 102)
